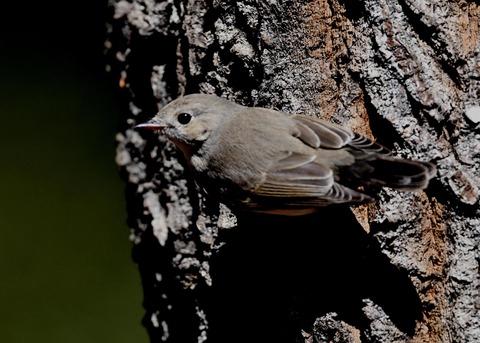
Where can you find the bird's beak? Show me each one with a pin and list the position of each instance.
(150, 125)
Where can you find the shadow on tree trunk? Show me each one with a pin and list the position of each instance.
(277, 272)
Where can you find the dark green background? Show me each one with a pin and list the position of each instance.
(65, 266)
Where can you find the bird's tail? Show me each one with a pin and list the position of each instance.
(401, 174)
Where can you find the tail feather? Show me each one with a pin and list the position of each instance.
(401, 174)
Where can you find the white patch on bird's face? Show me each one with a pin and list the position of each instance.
(198, 164)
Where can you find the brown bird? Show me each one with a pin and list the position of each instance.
(268, 161)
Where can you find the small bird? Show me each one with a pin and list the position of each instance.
(262, 160)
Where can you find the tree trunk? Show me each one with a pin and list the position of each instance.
(406, 72)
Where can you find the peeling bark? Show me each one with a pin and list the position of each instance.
(406, 72)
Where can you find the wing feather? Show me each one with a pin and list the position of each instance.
(307, 135)
(300, 181)
(364, 144)
(330, 135)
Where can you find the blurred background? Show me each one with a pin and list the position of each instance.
(66, 274)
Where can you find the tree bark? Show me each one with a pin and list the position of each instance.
(405, 72)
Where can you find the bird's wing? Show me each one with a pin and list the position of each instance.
(296, 175)
(322, 134)
(299, 180)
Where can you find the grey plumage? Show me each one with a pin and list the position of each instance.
(268, 161)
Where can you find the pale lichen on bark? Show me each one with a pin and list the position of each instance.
(405, 72)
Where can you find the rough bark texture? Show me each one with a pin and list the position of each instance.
(406, 72)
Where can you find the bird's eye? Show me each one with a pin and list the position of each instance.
(184, 118)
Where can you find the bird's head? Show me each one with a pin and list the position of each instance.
(190, 120)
